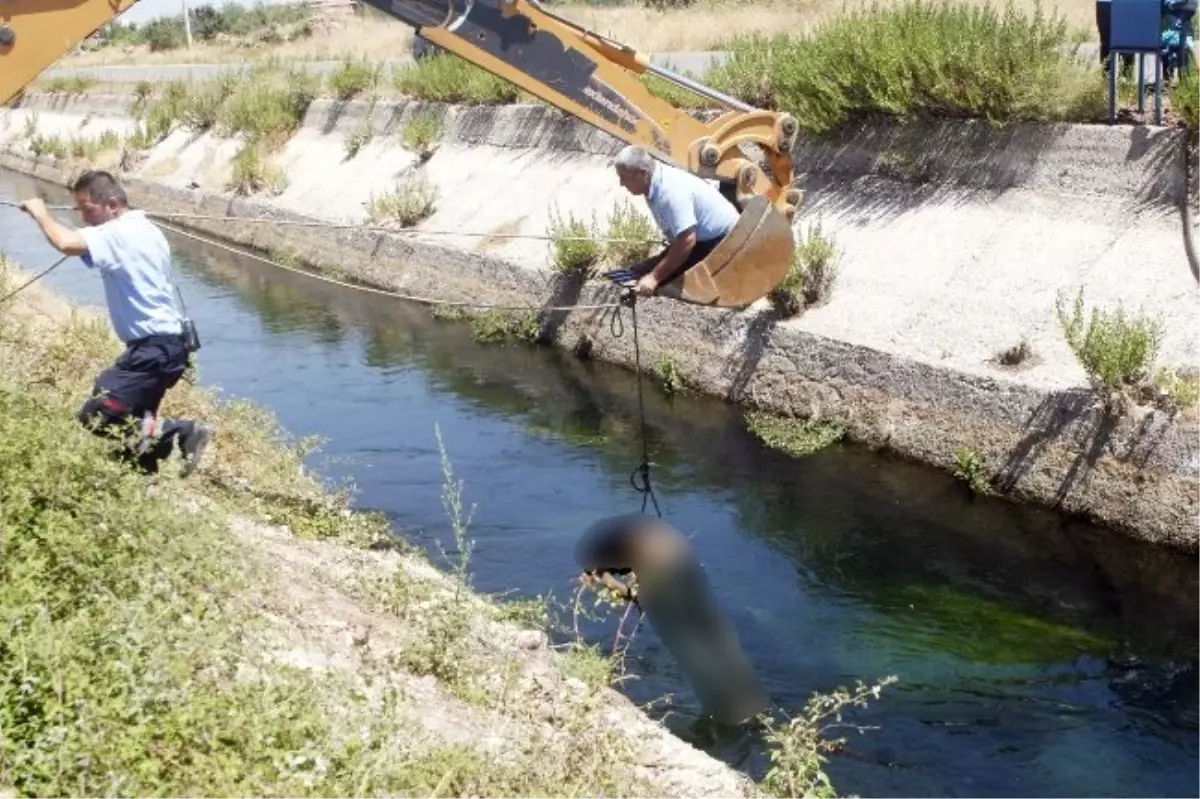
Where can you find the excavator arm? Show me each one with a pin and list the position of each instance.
(36, 33)
(598, 81)
(574, 69)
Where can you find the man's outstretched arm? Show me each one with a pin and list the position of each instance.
(681, 247)
(66, 240)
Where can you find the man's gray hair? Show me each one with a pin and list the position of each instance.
(634, 159)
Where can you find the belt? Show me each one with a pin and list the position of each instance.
(155, 338)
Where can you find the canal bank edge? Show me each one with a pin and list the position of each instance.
(1053, 445)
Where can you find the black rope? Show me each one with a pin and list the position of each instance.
(640, 477)
(616, 323)
(32, 280)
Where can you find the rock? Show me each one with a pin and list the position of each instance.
(531, 639)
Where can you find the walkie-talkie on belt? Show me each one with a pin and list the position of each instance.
(191, 339)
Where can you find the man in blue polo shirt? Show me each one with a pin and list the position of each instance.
(134, 260)
(692, 214)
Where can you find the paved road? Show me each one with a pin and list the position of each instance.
(697, 63)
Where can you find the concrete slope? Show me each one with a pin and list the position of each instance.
(960, 251)
(956, 282)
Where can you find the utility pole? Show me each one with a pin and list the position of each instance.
(187, 24)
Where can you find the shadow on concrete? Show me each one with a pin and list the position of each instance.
(1051, 420)
(873, 170)
(750, 352)
(1163, 165)
(884, 168)
(565, 289)
(333, 115)
(871, 199)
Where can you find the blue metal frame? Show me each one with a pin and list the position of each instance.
(1136, 30)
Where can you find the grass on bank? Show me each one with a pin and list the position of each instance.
(916, 58)
(811, 274)
(1119, 352)
(131, 662)
(578, 245)
(124, 614)
(406, 205)
(137, 659)
(446, 78)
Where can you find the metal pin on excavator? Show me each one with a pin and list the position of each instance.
(574, 69)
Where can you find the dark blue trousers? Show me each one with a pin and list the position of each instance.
(132, 390)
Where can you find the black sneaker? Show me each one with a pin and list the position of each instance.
(193, 447)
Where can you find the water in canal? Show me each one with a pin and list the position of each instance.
(1036, 656)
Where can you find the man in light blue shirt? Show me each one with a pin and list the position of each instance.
(134, 260)
(692, 214)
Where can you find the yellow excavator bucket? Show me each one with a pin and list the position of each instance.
(749, 264)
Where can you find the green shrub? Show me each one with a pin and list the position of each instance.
(794, 437)
(143, 89)
(48, 145)
(202, 108)
(171, 107)
(407, 205)
(1185, 100)
(362, 134)
(919, 57)
(500, 325)
(422, 134)
(575, 244)
(1181, 386)
(1114, 350)
(971, 468)
(811, 273)
(82, 147)
(631, 236)
(353, 77)
(446, 78)
(164, 34)
(253, 172)
(270, 102)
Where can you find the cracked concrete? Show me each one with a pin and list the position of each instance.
(954, 241)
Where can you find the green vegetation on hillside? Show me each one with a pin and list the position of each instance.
(268, 23)
(920, 57)
(446, 78)
(267, 102)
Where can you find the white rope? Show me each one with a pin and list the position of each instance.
(310, 223)
(385, 292)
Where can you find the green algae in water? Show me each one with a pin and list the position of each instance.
(983, 630)
(792, 436)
